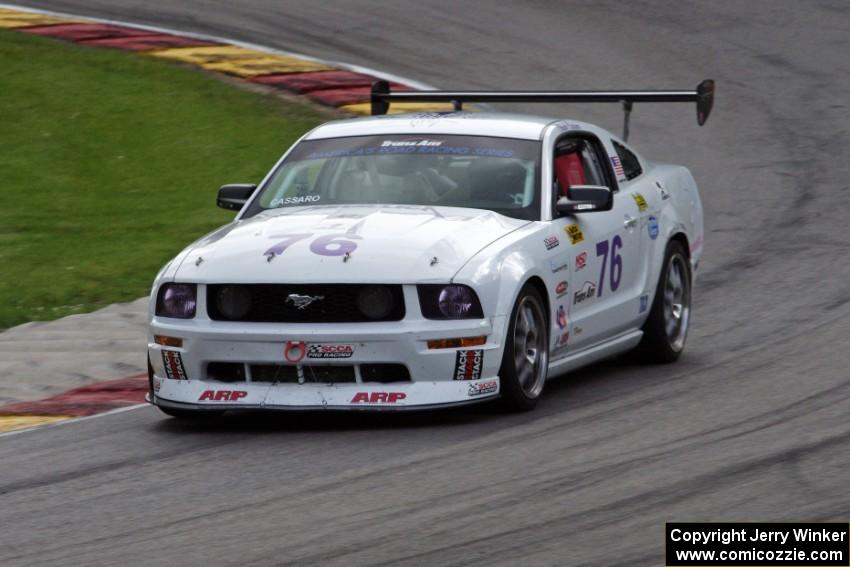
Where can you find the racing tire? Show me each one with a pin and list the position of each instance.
(666, 326)
(525, 362)
(179, 413)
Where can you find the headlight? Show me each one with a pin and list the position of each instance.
(176, 300)
(375, 301)
(449, 302)
(233, 301)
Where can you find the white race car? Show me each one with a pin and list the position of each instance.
(428, 260)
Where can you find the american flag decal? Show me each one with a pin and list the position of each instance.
(618, 167)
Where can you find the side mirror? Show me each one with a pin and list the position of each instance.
(235, 195)
(585, 199)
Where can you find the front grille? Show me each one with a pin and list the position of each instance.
(385, 373)
(226, 371)
(318, 374)
(338, 304)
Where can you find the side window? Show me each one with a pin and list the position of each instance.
(629, 161)
(577, 161)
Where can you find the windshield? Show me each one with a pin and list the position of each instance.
(499, 174)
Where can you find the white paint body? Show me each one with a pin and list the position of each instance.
(493, 254)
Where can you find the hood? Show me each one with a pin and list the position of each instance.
(384, 244)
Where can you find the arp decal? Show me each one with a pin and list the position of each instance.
(587, 291)
(222, 395)
(326, 245)
(468, 364)
(644, 303)
(377, 397)
(652, 228)
(557, 266)
(551, 242)
(173, 363)
(616, 271)
(561, 289)
(581, 261)
(561, 317)
(640, 202)
(294, 351)
(329, 351)
(574, 233)
(481, 388)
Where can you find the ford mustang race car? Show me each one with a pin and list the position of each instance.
(427, 260)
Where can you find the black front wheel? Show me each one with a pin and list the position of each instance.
(525, 362)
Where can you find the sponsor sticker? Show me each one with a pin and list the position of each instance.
(652, 227)
(561, 317)
(294, 351)
(557, 266)
(173, 365)
(377, 397)
(581, 261)
(662, 191)
(296, 200)
(561, 289)
(222, 395)
(587, 291)
(562, 340)
(157, 384)
(468, 364)
(574, 233)
(481, 388)
(329, 351)
(644, 303)
(551, 242)
(640, 202)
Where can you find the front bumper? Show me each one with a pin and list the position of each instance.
(433, 377)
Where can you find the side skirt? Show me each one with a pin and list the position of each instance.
(612, 347)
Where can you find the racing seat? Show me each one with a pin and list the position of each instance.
(568, 171)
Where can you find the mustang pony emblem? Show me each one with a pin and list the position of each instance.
(302, 302)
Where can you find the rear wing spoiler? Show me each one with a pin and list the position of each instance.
(703, 95)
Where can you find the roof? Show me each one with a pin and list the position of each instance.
(499, 124)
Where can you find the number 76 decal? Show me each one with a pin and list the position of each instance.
(616, 261)
(326, 245)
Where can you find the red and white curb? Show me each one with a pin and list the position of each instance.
(338, 85)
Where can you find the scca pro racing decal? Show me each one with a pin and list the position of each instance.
(468, 364)
(481, 388)
(173, 365)
(377, 397)
(330, 351)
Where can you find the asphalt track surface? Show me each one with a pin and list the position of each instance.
(751, 424)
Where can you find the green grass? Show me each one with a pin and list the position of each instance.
(109, 165)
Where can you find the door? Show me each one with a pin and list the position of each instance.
(604, 247)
